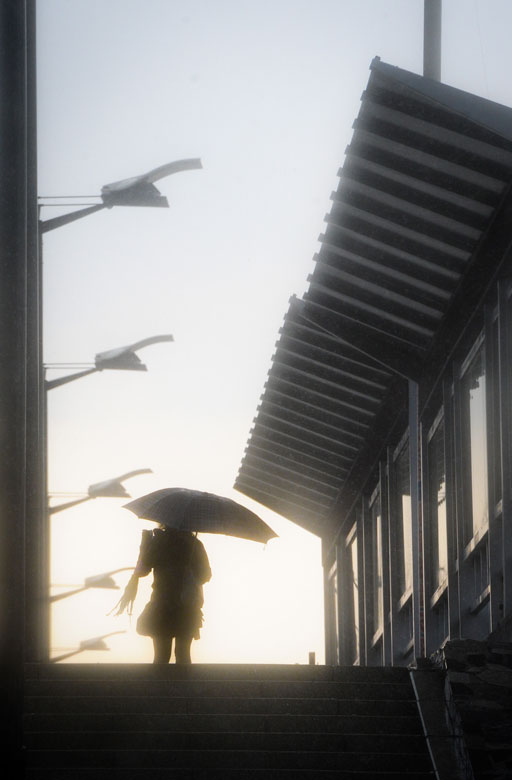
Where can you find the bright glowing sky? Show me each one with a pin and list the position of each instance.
(265, 92)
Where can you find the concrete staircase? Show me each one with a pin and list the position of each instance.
(207, 722)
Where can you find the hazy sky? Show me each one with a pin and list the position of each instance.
(265, 93)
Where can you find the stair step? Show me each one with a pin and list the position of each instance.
(175, 705)
(151, 721)
(112, 773)
(239, 740)
(228, 759)
(247, 689)
(135, 705)
(235, 722)
(244, 672)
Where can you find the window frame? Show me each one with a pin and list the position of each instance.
(434, 594)
(471, 535)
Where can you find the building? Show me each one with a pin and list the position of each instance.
(385, 422)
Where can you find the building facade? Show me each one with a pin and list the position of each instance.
(385, 422)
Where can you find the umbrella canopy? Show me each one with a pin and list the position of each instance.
(195, 510)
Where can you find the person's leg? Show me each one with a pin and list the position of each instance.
(182, 649)
(162, 646)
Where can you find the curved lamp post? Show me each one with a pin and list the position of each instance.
(104, 580)
(120, 359)
(135, 191)
(110, 488)
(96, 643)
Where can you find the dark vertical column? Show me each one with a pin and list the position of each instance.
(493, 432)
(342, 597)
(451, 512)
(328, 611)
(361, 585)
(347, 617)
(394, 589)
(417, 557)
(429, 632)
(505, 374)
(386, 566)
(36, 624)
(432, 40)
(465, 575)
(14, 199)
(367, 582)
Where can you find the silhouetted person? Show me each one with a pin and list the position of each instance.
(180, 568)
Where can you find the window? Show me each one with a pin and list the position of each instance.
(377, 570)
(332, 625)
(355, 598)
(474, 445)
(348, 589)
(437, 507)
(480, 566)
(440, 629)
(506, 385)
(497, 488)
(403, 521)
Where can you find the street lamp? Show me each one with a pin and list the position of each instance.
(104, 580)
(109, 488)
(96, 643)
(135, 191)
(120, 359)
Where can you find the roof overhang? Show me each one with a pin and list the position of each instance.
(424, 177)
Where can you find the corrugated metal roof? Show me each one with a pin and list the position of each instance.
(425, 172)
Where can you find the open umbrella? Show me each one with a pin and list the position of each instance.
(195, 510)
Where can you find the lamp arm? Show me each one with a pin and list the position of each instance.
(66, 655)
(64, 380)
(60, 596)
(50, 224)
(68, 504)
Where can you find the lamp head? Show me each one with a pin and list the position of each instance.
(101, 581)
(136, 193)
(140, 190)
(124, 358)
(94, 644)
(110, 488)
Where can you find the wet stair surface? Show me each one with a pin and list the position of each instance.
(125, 722)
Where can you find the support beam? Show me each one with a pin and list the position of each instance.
(417, 574)
(17, 181)
(432, 40)
(504, 345)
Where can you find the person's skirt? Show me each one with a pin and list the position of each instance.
(161, 619)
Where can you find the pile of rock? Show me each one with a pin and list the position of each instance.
(479, 676)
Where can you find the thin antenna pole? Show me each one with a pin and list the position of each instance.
(432, 39)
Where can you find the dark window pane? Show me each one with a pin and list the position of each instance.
(376, 530)
(403, 520)
(496, 424)
(332, 617)
(355, 598)
(437, 506)
(474, 446)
